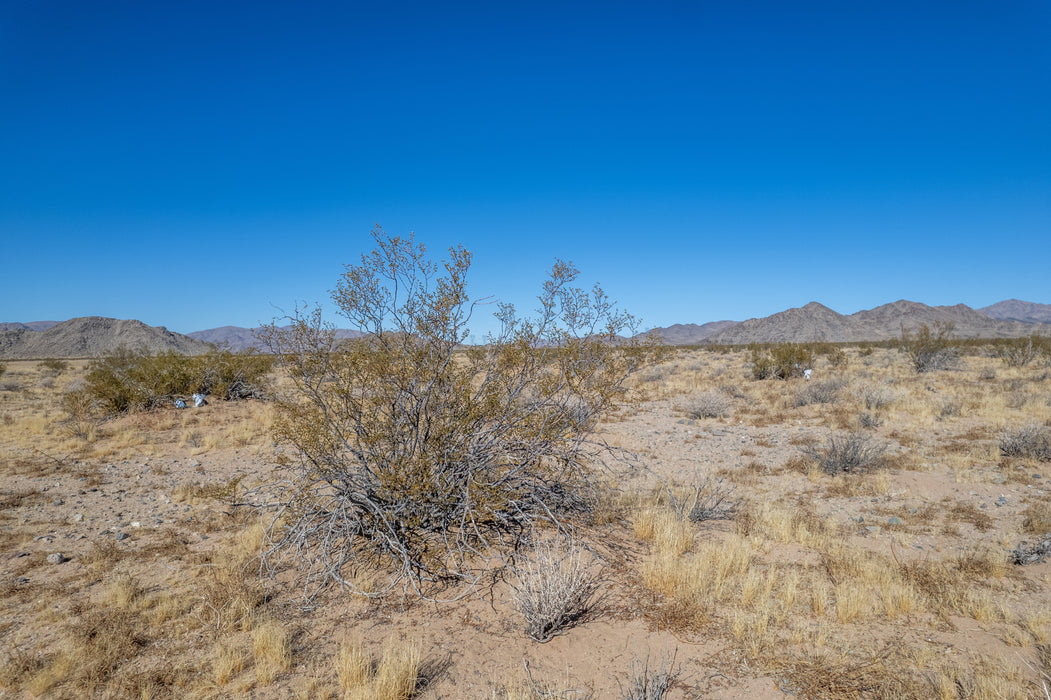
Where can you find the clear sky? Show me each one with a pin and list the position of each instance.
(197, 164)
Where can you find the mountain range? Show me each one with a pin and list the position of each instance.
(92, 335)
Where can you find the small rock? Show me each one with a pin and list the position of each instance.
(122, 536)
(57, 502)
(56, 558)
(895, 520)
(78, 517)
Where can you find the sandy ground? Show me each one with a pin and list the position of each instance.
(151, 502)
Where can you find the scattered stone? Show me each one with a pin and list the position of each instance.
(895, 520)
(57, 502)
(78, 517)
(122, 536)
(1025, 554)
(56, 558)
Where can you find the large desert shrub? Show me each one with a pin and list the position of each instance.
(1019, 352)
(782, 361)
(931, 349)
(420, 461)
(129, 379)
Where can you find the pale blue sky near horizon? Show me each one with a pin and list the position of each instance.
(199, 164)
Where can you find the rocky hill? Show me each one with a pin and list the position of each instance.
(691, 333)
(815, 323)
(31, 326)
(239, 338)
(1016, 310)
(92, 335)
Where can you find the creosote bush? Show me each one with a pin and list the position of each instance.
(136, 379)
(1019, 352)
(782, 361)
(423, 461)
(931, 349)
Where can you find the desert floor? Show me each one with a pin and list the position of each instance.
(896, 582)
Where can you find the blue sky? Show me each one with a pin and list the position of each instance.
(198, 164)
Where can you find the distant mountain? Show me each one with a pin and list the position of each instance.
(239, 338)
(1015, 310)
(31, 326)
(691, 333)
(91, 335)
(816, 323)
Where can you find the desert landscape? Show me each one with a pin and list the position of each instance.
(872, 529)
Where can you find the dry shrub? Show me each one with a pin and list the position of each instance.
(930, 349)
(710, 404)
(850, 453)
(823, 392)
(428, 460)
(706, 498)
(646, 683)
(1028, 442)
(554, 589)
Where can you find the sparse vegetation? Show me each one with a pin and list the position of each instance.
(823, 585)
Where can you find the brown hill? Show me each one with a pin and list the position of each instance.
(239, 338)
(1016, 310)
(817, 323)
(92, 335)
(691, 333)
(31, 326)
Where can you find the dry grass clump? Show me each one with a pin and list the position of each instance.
(271, 650)
(1037, 519)
(397, 676)
(554, 590)
(663, 527)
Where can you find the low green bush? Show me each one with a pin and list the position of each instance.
(781, 361)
